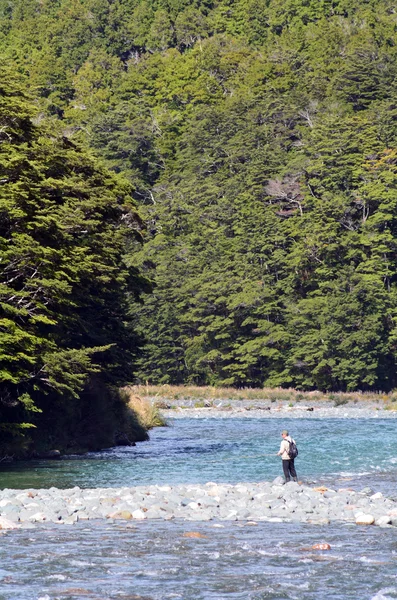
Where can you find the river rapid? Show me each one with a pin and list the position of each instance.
(228, 559)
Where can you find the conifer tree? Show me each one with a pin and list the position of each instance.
(66, 224)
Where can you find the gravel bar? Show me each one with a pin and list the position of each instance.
(250, 502)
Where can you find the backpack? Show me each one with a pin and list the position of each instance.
(293, 450)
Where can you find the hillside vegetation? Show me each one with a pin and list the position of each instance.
(66, 339)
(260, 143)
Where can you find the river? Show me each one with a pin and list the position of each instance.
(153, 560)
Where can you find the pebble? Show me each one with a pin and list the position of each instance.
(246, 502)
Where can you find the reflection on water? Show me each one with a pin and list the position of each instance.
(235, 561)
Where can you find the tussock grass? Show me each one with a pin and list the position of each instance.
(291, 395)
(146, 412)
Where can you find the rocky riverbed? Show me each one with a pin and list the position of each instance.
(270, 410)
(249, 502)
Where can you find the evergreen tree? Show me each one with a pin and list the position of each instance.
(259, 138)
(66, 224)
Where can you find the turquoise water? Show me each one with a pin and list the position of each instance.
(152, 560)
(228, 450)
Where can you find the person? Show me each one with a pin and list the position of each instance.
(288, 463)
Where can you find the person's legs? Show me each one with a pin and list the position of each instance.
(291, 467)
(286, 470)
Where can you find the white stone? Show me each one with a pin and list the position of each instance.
(383, 521)
(5, 502)
(138, 514)
(32, 505)
(6, 524)
(39, 516)
(376, 496)
(364, 519)
(231, 515)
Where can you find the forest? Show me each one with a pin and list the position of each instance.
(196, 192)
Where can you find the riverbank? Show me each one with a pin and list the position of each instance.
(197, 402)
(249, 502)
(269, 410)
(201, 395)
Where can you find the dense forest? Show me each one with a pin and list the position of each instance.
(257, 141)
(66, 341)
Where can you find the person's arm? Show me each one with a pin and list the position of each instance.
(282, 448)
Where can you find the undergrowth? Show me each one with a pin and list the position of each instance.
(200, 394)
(146, 411)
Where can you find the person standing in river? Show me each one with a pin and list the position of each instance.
(288, 462)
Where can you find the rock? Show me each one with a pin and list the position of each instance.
(82, 515)
(12, 516)
(120, 514)
(121, 439)
(377, 496)
(6, 524)
(330, 494)
(319, 521)
(207, 502)
(214, 491)
(38, 517)
(323, 546)
(364, 519)
(262, 501)
(367, 491)
(383, 521)
(292, 486)
(279, 481)
(11, 507)
(138, 514)
(70, 520)
(54, 454)
(194, 534)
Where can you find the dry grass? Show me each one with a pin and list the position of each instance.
(146, 412)
(187, 392)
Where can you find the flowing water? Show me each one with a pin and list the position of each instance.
(153, 560)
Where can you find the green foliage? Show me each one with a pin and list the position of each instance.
(64, 279)
(260, 140)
